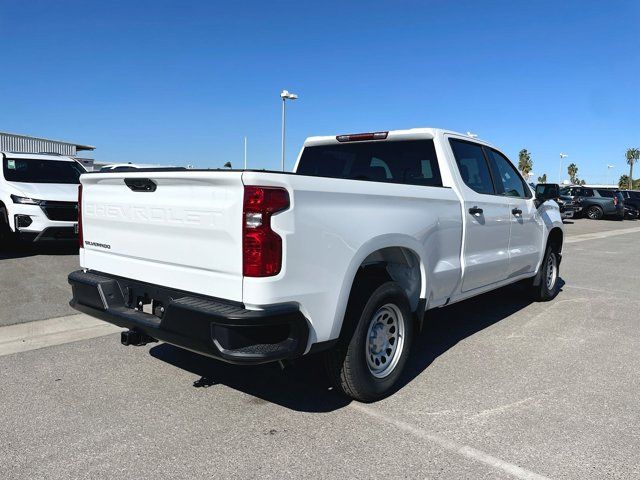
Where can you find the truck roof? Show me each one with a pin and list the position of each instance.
(405, 134)
(41, 156)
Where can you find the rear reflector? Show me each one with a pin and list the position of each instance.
(261, 246)
(80, 239)
(359, 137)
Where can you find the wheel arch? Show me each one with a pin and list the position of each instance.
(555, 239)
(383, 259)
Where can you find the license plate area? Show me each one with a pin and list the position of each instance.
(150, 301)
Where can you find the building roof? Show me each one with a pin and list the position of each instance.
(78, 146)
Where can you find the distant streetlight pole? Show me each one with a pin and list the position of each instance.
(562, 155)
(285, 95)
(245, 153)
(609, 167)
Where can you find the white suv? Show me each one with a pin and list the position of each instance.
(38, 196)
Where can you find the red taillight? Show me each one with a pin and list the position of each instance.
(80, 242)
(615, 201)
(261, 246)
(359, 137)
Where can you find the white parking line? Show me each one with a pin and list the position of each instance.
(594, 236)
(464, 450)
(55, 331)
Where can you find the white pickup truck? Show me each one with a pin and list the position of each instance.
(344, 255)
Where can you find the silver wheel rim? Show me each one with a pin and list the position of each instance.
(593, 213)
(551, 271)
(385, 340)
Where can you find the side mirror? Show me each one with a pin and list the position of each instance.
(546, 191)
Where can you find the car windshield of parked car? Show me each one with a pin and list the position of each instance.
(34, 170)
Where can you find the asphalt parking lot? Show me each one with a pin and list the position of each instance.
(498, 387)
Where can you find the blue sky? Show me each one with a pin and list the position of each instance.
(183, 82)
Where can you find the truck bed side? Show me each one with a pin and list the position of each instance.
(334, 225)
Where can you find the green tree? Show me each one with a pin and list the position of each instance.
(572, 170)
(623, 182)
(632, 156)
(525, 164)
(543, 178)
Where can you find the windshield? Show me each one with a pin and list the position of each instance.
(34, 170)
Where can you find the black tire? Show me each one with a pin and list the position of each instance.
(348, 362)
(7, 237)
(546, 290)
(594, 212)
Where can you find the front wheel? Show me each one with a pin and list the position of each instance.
(368, 362)
(549, 285)
(7, 237)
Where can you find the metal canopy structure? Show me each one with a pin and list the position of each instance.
(12, 142)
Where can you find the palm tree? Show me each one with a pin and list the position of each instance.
(572, 170)
(525, 164)
(632, 155)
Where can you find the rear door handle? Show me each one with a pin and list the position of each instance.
(516, 211)
(475, 211)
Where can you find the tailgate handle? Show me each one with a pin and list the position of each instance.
(141, 184)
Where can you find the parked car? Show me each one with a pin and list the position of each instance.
(630, 212)
(631, 198)
(596, 203)
(38, 197)
(343, 256)
(569, 207)
(119, 167)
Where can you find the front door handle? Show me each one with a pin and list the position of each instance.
(475, 211)
(516, 211)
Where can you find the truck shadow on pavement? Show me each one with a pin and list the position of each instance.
(303, 386)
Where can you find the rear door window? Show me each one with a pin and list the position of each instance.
(606, 193)
(472, 166)
(411, 162)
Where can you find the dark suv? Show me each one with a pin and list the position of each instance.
(597, 202)
(632, 198)
(631, 203)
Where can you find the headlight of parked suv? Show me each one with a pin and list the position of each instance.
(24, 200)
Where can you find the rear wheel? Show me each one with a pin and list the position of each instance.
(370, 357)
(594, 212)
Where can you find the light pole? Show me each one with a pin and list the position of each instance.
(562, 155)
(609, 167)
(285, 95)
(245, 153)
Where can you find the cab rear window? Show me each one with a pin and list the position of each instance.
(412, 162)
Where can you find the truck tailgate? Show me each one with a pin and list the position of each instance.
(179, 229)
